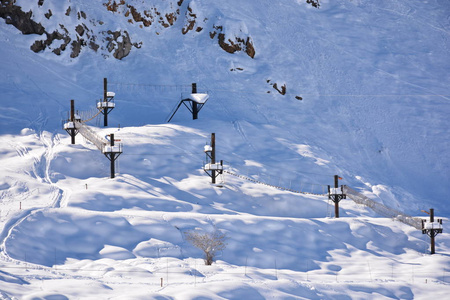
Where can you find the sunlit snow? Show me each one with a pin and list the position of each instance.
(373, 78)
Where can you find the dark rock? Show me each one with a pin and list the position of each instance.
(38, 46)
(81, 14)
(229, 47)
(249, 49)
(314, 3)
(117, 42)
(115, 34)
(80, 30)
(171, 18)
(232, 46)
(93, 46)
(111, 6)
(55, 35)
(48, 14)
(14, 15)
(283, 89)
(76, 48)
(57, 51)
(136, 15)
(189, 26)
(124, 47)
(110, 46)
(191, 20)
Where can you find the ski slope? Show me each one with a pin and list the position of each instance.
(373, 79)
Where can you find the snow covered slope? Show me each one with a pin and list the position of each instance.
(365, 96)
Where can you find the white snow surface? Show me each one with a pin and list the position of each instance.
(373, 76)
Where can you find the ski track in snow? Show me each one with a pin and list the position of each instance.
(41, 173)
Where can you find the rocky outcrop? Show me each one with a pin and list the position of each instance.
(232, 36)
(76, 47)
(48, 14)
(191, 22)
(145, 17)
(282, 90)
(41, 45)
(82, 39)
(314, 3)
(14, 15)
(118, 44)
(232, 44)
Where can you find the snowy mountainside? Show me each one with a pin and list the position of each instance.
(353, 88)
(391, 104)
(104, 27)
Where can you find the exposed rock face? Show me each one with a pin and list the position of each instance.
(80, 36)
(40, 45)
(314, 3)
(146, 17)
(14, 15)
(249, 49)
(282, 90)
(86, 35)
(48, 14)
(233, 44)
(158, 17)
(76, 47)
(89, 33)
(120, 43)
(80, 30)
(191, 21)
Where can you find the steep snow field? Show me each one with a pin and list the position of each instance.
(374, 82)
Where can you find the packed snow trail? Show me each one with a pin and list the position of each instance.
(41, 172)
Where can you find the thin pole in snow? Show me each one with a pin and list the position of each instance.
(213, 156)
(194, 104)
(336, 203)
(105, 99)
(72, 119)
